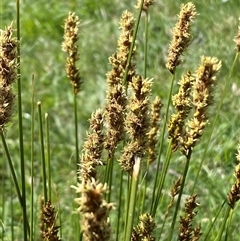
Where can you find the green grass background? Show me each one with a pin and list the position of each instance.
(41, 37)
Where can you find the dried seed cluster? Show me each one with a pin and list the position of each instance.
(181, 36)
(186, 231)
(70, 46)
(143, 231)
(234, 194)
(137, 122)
(94, 211)
(116, 93)
(8, 74)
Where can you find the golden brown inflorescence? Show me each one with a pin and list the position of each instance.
(8, 74)
(137, 122)
(70, 46)
(154, 129)
(181, 36)
(234, 194)
(182, 103)
(146, 4)
(94, 211)
(205, 77)
(92, 148)
(186, 231)
(185, 136)
(49, 230)
(143, 231)
(237, 39)
(116, 92)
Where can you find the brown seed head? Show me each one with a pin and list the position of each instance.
(70, 46)
(8, 74)
(202, 97)
(237, 39)
(94, 210)
(181, 36)
(144, 229)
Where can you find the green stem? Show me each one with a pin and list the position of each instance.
(132, 200)
(21, 146)
(32, 163)
(76, 133)
(180, 194)
(214, 221)
(119, 218)
(224, 221)
(145, 45)
(162, 179)
(48, 157)
(44, 175)
(132, 44)
(161, 146)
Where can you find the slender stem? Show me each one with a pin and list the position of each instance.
(214, 221)
(78, 232)
(119, 206)
(132, 44)
(132, 200)
(222, 228)
(12, 169)
(3, 202)
(161, 144)
(21, 146)
(145, 45)
(162, 179)
(48, 157)
(76, 133)
(180, 194)
(44, 175)
(32, 163)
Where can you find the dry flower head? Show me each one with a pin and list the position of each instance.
(181, 36)
(70, 46)
(8, 73)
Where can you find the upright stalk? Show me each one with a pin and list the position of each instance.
(32, 164)
(180, 194)
(44, 175)
(21, 146)
(161, 146)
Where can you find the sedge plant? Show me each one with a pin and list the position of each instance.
(133, 140)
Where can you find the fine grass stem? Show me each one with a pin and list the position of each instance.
(132, 43)
(48, 157)
(21, 145)
(41, 139)
(160, 149)
(132, 199)
(32, 162)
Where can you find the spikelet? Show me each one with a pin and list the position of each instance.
(146, 4)
(202, 98)
(182, 103)
(92, 148)
(143, 231)
(8, 74)
(181, 36)
(70, 46)
(186, 231)
(137, 123)
(94, 210)
(234, 194)
(116, 92)
(237, 39)
(154, 127)
(49, 230)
